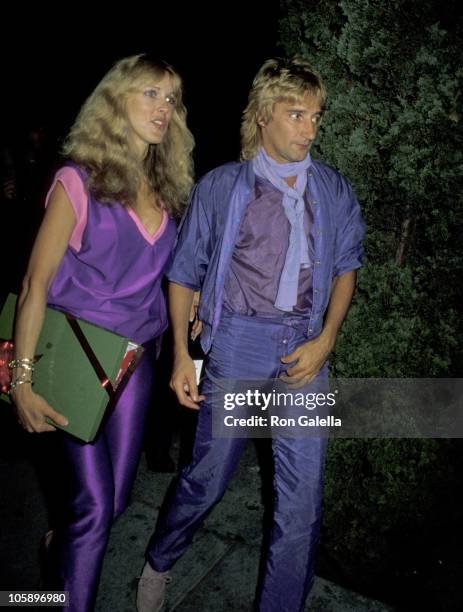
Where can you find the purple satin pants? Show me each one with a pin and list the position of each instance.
(250, 348)
(101, 476)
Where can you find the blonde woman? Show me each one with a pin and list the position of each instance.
(100, 254)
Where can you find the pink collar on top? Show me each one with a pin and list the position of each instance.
(151, 238)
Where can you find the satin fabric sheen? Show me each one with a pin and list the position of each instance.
(249, 348)
(114, 281)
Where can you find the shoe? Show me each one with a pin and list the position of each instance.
(151, 589)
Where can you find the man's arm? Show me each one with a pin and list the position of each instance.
(183, 380)
(311, 356)
(197, 326)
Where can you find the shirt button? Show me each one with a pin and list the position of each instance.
(285, 341)
(319, 233)
(314, 202)
(310, 330)
(317, 263)
(315, 290)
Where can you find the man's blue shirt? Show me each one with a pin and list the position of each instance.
(210, 228)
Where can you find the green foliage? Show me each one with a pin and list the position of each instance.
(393, 126)
(394, 76)
(392, 331)
(389, 508)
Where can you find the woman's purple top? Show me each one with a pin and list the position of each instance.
(114, 279)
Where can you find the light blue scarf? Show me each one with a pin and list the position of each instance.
(297, 255)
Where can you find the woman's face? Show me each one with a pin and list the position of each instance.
(149, 110)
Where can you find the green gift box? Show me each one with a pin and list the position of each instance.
(81, 368)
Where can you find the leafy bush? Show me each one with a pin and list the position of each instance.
(393, 126)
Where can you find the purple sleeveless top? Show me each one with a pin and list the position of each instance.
(114, 280)
(257, 263)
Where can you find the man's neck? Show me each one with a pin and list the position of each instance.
(290, 180)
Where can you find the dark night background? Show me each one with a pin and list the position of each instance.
(49, 69)
(50, 63)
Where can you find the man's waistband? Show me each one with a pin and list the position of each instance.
(294, 321)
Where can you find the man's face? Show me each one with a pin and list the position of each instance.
(287, 136)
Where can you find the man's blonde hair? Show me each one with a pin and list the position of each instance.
(278, 80)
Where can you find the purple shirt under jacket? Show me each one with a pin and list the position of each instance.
(114, 280)
(210, 228)
(253, 279)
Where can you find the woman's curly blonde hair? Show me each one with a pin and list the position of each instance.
(98, 141)
(278, 80)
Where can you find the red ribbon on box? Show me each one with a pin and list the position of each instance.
(6, 355)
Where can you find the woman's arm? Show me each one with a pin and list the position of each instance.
(47, 253)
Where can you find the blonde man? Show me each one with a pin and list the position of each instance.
(273, 243)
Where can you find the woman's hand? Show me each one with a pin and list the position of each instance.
(32, 410)
(49, 248)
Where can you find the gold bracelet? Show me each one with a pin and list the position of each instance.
(16, 383)
(27, 364)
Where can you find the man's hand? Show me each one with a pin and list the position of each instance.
(183, 382)
(309, 358)
(311, 355)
